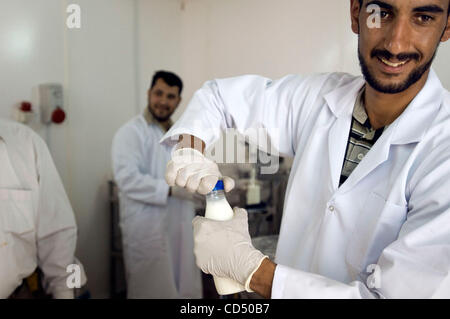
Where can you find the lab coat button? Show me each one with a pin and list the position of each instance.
(331, 208)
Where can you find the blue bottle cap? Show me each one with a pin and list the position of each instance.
(219, 186)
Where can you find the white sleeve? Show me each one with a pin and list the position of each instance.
(56, 227)
(246, 103)
(127, 158)
(416, 265)
(289, 283)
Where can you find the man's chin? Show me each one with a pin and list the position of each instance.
(390, 86)
(393, 83)
(162, 119)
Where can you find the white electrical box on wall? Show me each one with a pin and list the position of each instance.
(50, 99)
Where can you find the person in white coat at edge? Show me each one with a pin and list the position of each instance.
(367, 209)
(38, 232)
(155, 220)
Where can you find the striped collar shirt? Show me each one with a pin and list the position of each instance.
(361, 138)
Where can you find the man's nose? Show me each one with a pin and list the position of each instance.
(163, 100)
(398, 37)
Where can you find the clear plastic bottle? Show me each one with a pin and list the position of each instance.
(217, 208)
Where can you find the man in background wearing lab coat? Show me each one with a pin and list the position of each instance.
(38, 233)
(155, 218)
(367, 209)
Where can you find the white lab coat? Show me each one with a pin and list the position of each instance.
(156, 229)
(37, 224)
(386, 231)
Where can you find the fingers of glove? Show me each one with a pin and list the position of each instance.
(201, 242)
(207, 184)
(193, 183)
(184, 173)
(172, 169)
(240, 222)
(228, 183)
(240, 215)
(180, 159)
(204, 228)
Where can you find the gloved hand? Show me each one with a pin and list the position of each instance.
(224, 248)
(191, 169)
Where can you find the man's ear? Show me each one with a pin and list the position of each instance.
(354, 14)
(446, 34)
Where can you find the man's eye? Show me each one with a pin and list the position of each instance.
(425, 18)
(384, 14)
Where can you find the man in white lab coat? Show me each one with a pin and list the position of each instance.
(155, 220)
(367, 210)
(38, 233)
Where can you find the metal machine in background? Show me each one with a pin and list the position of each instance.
(261, 194)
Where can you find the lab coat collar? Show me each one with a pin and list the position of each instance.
(412, 124)
(341, 101)
(408, 128)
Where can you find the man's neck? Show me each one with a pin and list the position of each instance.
(383, 109)
(165, 124)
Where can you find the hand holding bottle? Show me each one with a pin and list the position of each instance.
(224, 249)
(190, 169)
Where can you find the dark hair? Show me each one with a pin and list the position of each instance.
(361, 2)
(170, 78)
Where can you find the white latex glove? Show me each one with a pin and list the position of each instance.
(224, 248)
(190, 169)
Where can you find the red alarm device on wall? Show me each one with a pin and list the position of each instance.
(51, 103)
(58, 115)
(25, 106)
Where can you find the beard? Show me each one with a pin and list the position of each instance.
(412, 78)
(159, 118)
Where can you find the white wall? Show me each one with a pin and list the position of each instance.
(31, 52)
(158, 42)
(267, 37)
(271, 38)
(101, 92)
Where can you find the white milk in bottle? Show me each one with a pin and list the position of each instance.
(217, 208)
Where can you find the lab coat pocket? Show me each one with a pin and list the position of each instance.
(16, 211)
(377, 226)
